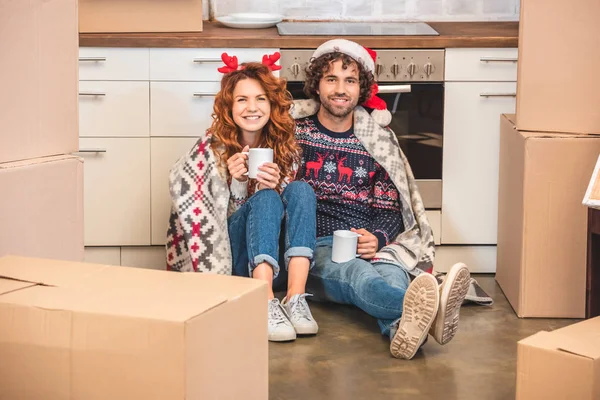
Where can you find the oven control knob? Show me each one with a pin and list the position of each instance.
(295, 68)
(429, 69)
(395, 69)
(411, 68)
(378, 69)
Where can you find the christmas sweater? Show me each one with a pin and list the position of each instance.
(352, 189)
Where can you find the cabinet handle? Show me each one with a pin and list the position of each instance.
(498, 59)
(92, 94)
(498, 94)
(207, 60)
(204, 94)
(95, 59)
(395, 89)
(91, 151)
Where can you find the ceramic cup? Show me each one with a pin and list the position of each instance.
(344, 246)
(256, 158)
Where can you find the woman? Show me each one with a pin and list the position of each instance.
(252, 109)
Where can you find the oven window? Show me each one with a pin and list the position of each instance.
(417, 121)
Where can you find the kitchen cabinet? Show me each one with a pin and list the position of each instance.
(116, 175)
(140, 110)
(480, 86)
(114, 109)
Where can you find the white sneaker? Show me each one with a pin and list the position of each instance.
(420, 307)
(300, 315)
(452, 294)
(280, 327)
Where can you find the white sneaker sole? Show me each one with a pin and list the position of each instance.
(283, 337)
(455, 288)
(306, 330)
(421, 302)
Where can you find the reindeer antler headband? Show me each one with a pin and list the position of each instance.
(231, 62)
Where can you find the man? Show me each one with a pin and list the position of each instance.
(363, 183)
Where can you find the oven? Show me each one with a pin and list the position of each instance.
(411, 82)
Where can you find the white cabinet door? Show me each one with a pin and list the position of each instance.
(199, 65)
(485, 65)
(181, 108)
(114, 64)
(114, 109)
(164, 153)
(470, 164)
(116, 191)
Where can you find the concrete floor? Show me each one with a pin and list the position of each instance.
(349, 359)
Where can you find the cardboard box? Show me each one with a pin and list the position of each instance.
(558, 85)
(41, 208)
(560, 365)
(39, 71)
(542, 225)
(88, 331)
(97, 16)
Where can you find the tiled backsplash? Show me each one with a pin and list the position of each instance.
(377, 10)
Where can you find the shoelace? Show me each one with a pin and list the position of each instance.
(300, 308)
(276, 313)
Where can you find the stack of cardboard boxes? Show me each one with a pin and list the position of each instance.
(547, 154)
(71, 330)
(41, 184)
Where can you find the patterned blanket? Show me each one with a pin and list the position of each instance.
(197, 236)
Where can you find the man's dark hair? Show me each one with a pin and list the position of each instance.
(320, 66)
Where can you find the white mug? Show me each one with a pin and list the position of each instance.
(256, 158)
(345, 244)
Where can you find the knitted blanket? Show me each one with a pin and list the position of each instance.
(197, 235)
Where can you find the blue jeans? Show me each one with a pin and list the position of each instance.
(254, 229)
(378, 288)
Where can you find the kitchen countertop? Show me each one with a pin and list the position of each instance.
(215, 35)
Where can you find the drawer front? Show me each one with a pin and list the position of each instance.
(481, 65)
(114, 64)
(149, 257)
(116, 191)
(479, 259)
(197, 64)
(181, 108)
(164, 153)
(114, 109)
(471, 159)
(103, 255)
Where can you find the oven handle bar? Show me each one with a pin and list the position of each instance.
(395, 89)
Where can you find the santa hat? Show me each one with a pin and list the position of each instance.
(365, 57)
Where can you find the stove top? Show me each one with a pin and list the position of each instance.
(356, 29)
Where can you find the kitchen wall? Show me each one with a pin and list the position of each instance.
(377, 10)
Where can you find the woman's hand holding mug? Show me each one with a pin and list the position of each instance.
(237, 165)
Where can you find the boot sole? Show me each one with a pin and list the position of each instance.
(453, 294)
(420, 305)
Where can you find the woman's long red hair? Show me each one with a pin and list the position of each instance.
(277, 134)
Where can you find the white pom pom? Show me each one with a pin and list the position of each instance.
(382, 117)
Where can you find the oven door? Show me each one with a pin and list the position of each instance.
(418, 121)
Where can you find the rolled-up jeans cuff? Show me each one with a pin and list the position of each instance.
(299, 252)
(261, 258)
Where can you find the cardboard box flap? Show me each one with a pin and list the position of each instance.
(165, 305)
(10, 285)
(588, 347)
(580, 339)
(46, 272)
